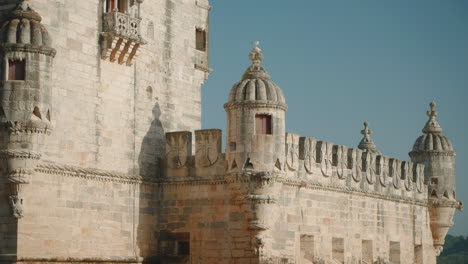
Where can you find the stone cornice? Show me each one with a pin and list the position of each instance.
(256, 104)
(103, 175)
(30, 48)
(432, 153)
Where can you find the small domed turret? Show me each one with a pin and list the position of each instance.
(255, 120)
(367, 144)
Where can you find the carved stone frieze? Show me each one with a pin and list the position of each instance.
(178, 149)
(207, 147)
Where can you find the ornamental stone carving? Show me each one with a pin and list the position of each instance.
(355, 156)
(308, 152)
(207, 147)
(178, 149)
(383, 169)
(419, 177)
(292, 151)
(370, 167)
(325, 150)
(407, 170)
(341, 153)
(395, 171)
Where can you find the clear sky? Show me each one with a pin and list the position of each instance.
(341, 62)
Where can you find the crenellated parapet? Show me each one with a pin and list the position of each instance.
(323, 163)
(25, 98)
(207, 163)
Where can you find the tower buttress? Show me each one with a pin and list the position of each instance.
(435, 151)
(25, 98)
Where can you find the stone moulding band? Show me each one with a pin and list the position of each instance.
(103, 175)
(30, 48)
(13, 258)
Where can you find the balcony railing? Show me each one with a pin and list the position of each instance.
(121, 37)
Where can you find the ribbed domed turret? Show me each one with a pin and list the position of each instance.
(432, 140)
(367, 144)
(23, 26)
(256, 85)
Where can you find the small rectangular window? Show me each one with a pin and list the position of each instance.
(367, 254)
(434, 181)
(263, 125)
(338, 250)
(307, 249)
(16, 70)
(394, 252)
(418, 254)
(200, 36)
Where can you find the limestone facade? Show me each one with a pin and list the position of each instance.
(103, 160)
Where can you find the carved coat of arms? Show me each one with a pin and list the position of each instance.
(356, 158)
(396, 172)
(208, 147)
(419, 177)
(383, 170)
(178, 148)
(342, 161)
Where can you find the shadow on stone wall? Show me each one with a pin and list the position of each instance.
(8, 226)
(152, 147)
(150, 164)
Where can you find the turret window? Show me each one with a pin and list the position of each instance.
(263, 124)
(200, 37)
(121, 5)
(16, 70)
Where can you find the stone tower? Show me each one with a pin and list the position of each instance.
(25, 97)
(435, 151)
(255, 120)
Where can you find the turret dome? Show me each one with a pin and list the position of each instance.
(23, 28)
(256, 86)
(432, 140)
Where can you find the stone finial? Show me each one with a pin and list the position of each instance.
(432, 126)
(367, 143)
(256, 56)
(256, 71)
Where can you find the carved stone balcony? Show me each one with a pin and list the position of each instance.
(121, 37)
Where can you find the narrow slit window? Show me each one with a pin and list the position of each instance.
(200, 36)
(338, 250)
(263, 125)
(16, 70)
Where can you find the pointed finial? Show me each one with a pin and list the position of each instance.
(432, 126)
(256, 55)
(366, 142)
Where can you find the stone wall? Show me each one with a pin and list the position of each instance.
(78, 214)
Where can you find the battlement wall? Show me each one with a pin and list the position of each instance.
(308, 162)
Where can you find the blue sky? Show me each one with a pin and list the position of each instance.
(342, 62)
